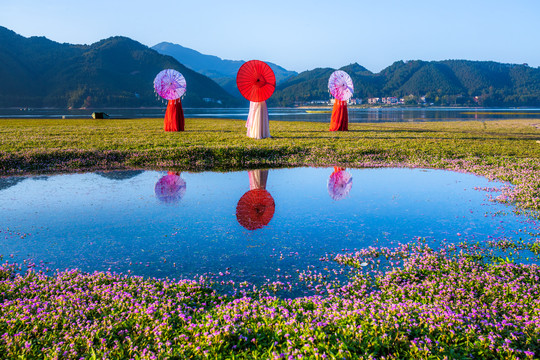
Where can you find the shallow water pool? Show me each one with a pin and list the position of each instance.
(252, 224)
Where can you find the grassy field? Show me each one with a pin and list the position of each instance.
(504, 150)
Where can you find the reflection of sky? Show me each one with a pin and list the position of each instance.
(95, 223)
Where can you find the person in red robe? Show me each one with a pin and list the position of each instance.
(340, 116)
(174, 116)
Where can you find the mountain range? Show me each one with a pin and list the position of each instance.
(221, 71)
(449, 82)
(119, 72)
(115, 72)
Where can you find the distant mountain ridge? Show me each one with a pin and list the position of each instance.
(220, 70)
(119, 72)
(115, 72)
(448, 82)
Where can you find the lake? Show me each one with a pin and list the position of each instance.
(254, 225)
(398, 114)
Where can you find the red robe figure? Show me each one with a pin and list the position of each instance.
(340, 116)
(174, 116)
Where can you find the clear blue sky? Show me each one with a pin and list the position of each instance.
(298, 34)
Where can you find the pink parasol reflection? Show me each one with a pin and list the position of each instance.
(171, 188)
(339, 184)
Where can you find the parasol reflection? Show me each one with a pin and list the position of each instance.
(256, 207)
(339, 184)
(171, 188)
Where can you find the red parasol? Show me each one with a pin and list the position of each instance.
(256, 81)
(255, 209)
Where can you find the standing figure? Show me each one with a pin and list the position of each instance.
(256, 82)
(171, 86)
(341, 87)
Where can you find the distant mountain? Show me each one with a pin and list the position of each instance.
(221, 71)
(449, 82)
(115, 72)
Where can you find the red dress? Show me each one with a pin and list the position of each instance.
(174, 116)
(340, 117)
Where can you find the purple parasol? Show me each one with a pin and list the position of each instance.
(340, 85)
(170, 84)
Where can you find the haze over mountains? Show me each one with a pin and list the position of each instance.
(119, 72)
(221, 71)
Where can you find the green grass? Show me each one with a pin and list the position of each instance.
(292, 142)
(507, 150)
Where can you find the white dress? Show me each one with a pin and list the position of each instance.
(257, 124)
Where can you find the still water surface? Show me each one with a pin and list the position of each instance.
(295, 114)
(253, 223)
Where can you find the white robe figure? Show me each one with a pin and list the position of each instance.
(257, 124)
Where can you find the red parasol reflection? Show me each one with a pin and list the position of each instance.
(339, 184)
(256, 207)
(170, 188)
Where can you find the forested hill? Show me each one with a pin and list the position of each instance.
(449, 82)
(115, 72)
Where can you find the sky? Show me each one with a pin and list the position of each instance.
(298, 34)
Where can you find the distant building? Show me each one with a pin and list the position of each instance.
(375, 100)
(390, 100)
(355, 101)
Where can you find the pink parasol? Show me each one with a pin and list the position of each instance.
(340, 85)
(170, 84)
(339, 184)
(170, 188)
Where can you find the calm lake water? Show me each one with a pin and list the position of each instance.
(295, 114)
(256, 224)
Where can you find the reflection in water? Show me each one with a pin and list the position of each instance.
(256, 207)
(170, 188)
(339, 183)
(119, 175)
(9, 182)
